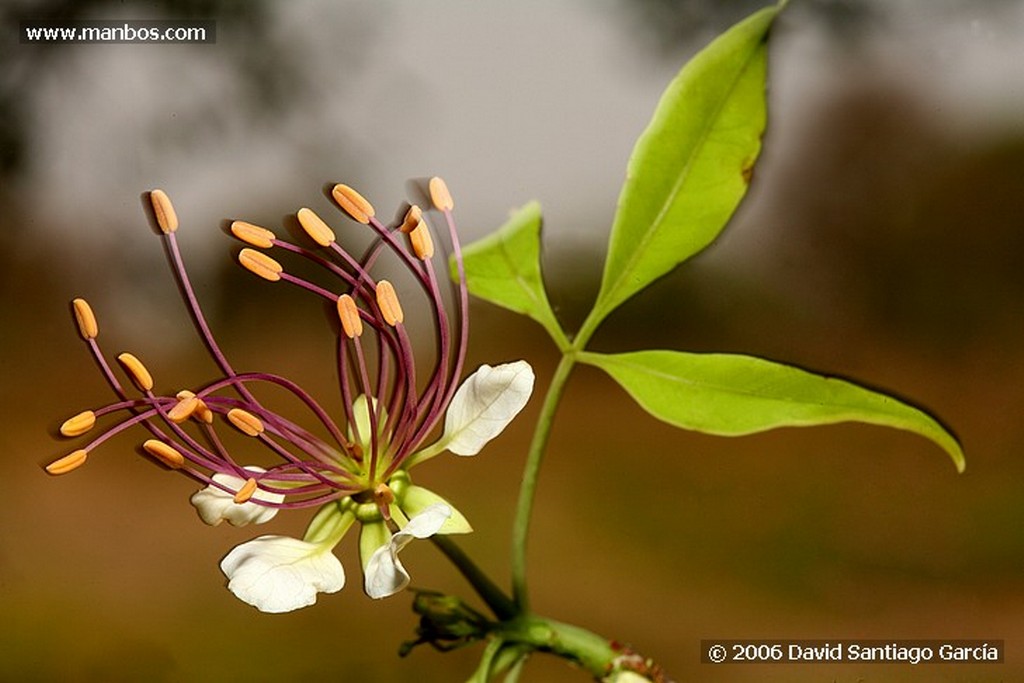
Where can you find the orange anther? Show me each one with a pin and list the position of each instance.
(166, 454)
(351, 323)
(163, 210)
(139, 374)
(253, 234)
(79, 424)
(440, 195)
(246, 422)
(387, 300)
(315, 227)
(183, 409)
(87, 326)
(354, 204)
(202, 411)
(261, 264)
(69, 462)
(245, 493)
(422, 242)
(412, 218)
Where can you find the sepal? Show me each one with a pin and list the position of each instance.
(417, 499)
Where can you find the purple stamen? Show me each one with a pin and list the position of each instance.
(309, 470)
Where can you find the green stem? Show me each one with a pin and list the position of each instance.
(531, 471)
(495, 598)
(516, 625)
(590, 651)
(506, 609)
(589, 326)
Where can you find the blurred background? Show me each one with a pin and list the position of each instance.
(881, 240)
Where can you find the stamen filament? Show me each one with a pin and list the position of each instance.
(437, 383)
(346, 395)
(310, 470)
(290, 386)
(388, 237)
(309, 287)
(192, 303)
(372, 407)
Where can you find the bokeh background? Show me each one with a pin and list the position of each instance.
(881, 240)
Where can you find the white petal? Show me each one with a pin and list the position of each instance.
(485, 404)
(423, 525)
(384, 574)
(215, 505)
(280, 574)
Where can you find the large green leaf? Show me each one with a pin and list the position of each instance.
(731, 395)
(692, 164)
(504, 268)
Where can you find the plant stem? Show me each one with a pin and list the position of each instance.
(588, 650)
(495, 598)
(531, 470)
(516, 624)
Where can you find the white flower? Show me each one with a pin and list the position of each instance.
(215, 505)
(280, 574)
(485, 404)
(384, 574)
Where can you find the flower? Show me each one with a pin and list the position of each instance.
(353, 467)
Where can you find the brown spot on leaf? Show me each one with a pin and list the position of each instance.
(747, 170)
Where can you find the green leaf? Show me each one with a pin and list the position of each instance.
(692, 165)
(504, 268)
(731, 395)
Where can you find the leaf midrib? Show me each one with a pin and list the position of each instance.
(599, 361)
(684, 175)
